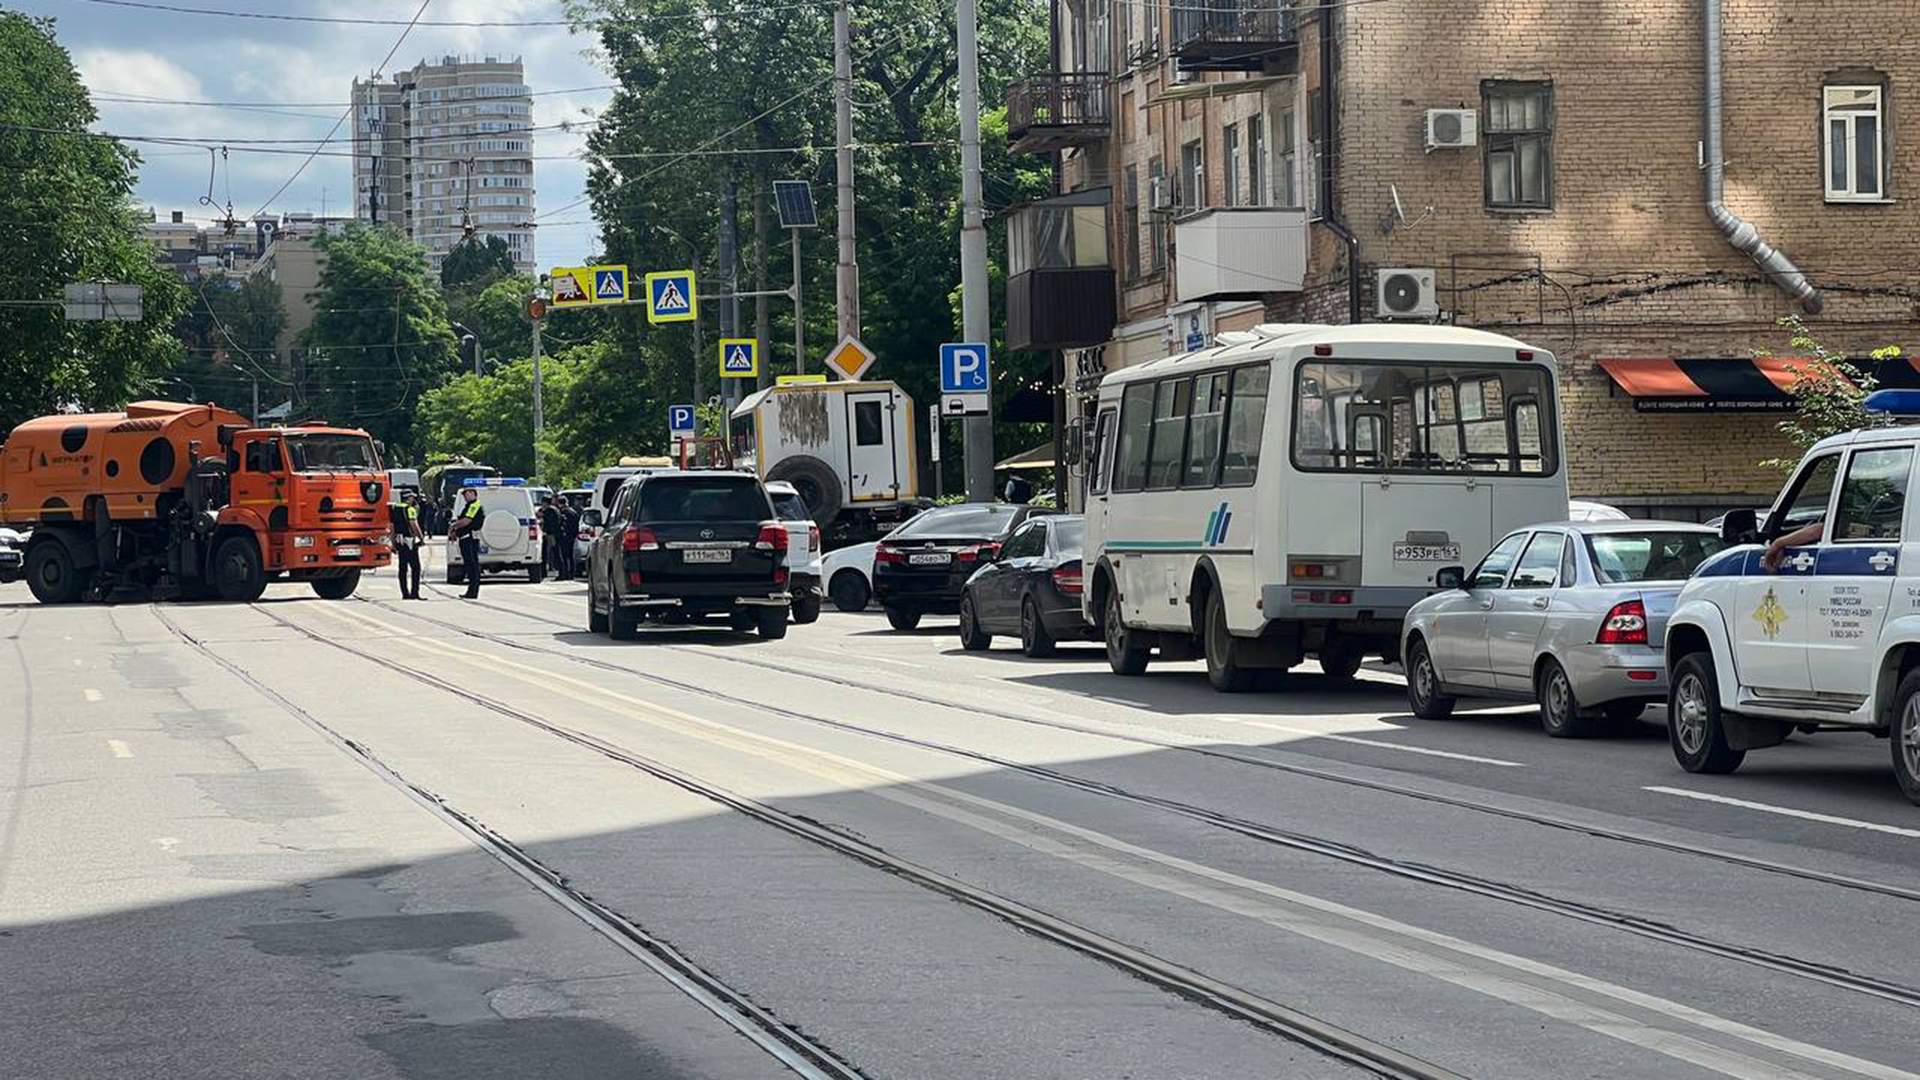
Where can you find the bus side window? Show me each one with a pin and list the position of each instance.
(1203, 431)
(1136, 427)
(1529, 455)
(1171, 402)
(1246, 426)
(1102, 456)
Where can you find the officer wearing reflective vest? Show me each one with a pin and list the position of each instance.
(405, 521)
(466, 528)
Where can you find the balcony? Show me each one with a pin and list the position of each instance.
(1236, 35)
(1060, 277)
(1239, 253)
(1056, 111)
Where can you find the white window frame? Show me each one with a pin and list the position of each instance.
(1230, 165)
(1850, 190)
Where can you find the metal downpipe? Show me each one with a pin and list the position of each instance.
(1741, 233)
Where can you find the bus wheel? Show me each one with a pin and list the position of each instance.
(1126, 655)
(1224, 669)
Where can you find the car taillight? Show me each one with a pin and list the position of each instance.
(1067, 578)
(813, 537)
(773, 537)
(888, 556)
(639, 538)
(985, 552)
(533, 532)
(1626, 624)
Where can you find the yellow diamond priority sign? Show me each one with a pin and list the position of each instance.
(850, 359)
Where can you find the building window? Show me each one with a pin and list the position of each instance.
(1519, 158)
(1855, 143)
(1193, 176)
(1286, 178)
(1257, 194)
(1230, 165)
(1156, 237)
(1130, 206)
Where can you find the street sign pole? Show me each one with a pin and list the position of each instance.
(973, 247)
(799, 316)
(934, 437)
(539, 404)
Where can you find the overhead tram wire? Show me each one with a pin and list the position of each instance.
(346, 20)
(348, 111)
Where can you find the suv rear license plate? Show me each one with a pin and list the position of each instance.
(1426, 553)
(706, 555)
(930, 558)
(346, 553)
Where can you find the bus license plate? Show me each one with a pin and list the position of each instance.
(706, 555)
(1426, 553)
(346, 553)
(930, 558)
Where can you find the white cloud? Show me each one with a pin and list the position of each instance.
(135, 72)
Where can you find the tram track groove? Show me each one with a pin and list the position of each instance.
(1665, 933)
(796, 1050)
(1550, 821)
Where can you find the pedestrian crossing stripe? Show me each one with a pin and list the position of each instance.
(610, 285)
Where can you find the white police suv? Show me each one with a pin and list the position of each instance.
(509, 534)
(1814, 624)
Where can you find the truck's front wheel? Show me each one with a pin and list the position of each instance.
(237, 570)
(51, 573)
(1693, 719)
(337, 588)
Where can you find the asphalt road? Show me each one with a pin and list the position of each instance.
(376, 838)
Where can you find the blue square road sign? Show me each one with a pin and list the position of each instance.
(680, 420)
(963, 368)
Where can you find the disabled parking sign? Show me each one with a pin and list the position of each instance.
(671, 297)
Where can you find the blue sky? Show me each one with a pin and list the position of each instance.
(301, 67)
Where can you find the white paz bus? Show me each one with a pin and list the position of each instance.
(1292, 491)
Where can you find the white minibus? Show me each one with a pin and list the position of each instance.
(1293, 490)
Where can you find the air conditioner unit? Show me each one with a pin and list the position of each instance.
(1405, 293)
(1452, 129)
(1160, 194)
(1179, 76)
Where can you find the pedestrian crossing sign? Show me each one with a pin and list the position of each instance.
(609, 284)
(739, 358)
(588, 286)
(671, 297)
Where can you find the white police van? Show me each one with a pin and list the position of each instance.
(509, 535)
(1827, 638)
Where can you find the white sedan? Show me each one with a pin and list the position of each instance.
(848, 574)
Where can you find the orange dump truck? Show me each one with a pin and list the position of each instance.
(191, 501)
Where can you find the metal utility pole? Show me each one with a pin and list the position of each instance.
(729, 273)
(700, 358)
(799, 315)
(973, 248)
(847, 292)
(539, 404)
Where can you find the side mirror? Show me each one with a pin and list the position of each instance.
(1740, 527)
(590, 519)
(1450, 577)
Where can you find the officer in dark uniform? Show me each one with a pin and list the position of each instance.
(466, 528)
(407, 537)
(569, 533)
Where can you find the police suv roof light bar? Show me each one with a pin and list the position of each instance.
(494, 481)
(1897, 402)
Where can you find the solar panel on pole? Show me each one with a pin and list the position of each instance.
(794, 198)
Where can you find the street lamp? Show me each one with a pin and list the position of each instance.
(469, 339)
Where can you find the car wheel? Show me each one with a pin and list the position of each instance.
(1034, 639)
(1560, 712)
(1126, 655)
(1423, 684)
(621, 625)
(51, 575)
(596, 622)
(1694, 726)
(237, 570)
(771, 622)
(1341, 662)
(901, 619)
(849, 591)
(337, 588)
(1905, 736)
(536, 573)
(806, 609)
(1224, 669)
(972, 637)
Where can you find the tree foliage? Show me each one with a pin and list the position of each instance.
(380, 337)
(230, 338)
(476, 262)
(1829, 392)
(65, 217)
(497, 313)
(490, 417)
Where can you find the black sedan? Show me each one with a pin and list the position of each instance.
(1032, 589)
(920, 568)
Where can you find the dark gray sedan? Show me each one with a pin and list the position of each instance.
(1031, 588)
(1571, 615)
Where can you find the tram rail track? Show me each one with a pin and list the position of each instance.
(1665, 933)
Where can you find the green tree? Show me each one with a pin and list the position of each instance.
(1829, 391)
(490, 418)
(230, 337)
(476, 262)
(65, 217)
(496, 312)
(380, 337)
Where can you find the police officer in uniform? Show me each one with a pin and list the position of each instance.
(466, 527)
(405, 515)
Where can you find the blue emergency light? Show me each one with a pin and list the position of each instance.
(1897, 402)
(494, 481)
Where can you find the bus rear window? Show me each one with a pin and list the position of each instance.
(1424, 418)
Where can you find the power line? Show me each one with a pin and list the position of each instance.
(129, 98)
(343, 20)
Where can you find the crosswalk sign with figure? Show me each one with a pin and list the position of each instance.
(609, 284)
(670, 296)
(739, 358)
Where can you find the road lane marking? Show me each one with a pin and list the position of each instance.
(1309, 732)
(92, 695)
(1271, 904)
(1786, 811)
(120, 749)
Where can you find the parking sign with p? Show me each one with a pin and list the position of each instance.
(965, 378)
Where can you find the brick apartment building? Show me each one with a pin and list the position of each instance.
(1540, 166)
